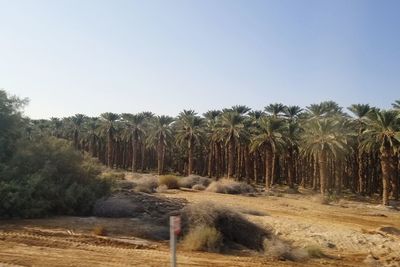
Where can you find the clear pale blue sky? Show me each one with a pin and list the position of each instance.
(164, 56)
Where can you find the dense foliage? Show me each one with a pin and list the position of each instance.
(42, 175)
(321, 146)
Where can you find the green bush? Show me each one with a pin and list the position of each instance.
(48, 176)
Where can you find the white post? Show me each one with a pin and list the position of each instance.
(174, 229)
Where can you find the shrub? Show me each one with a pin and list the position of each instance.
(203, 238)
(48, 176)
(227, 186)
(162, 189)
(146, 184)
(233, 227)
(99, 230)
(199, 187)
(169, 180)
(315, 252)
(192, 180)
(113, 175)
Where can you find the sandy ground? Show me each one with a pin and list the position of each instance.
(351, 233)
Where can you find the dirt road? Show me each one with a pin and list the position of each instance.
(347, 231)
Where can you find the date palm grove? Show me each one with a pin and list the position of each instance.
(320, 147)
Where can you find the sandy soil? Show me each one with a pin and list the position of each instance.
(351, 233)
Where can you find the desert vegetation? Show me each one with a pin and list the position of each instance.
(133, 171)
(321, 146)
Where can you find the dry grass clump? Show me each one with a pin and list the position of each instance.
(199, 187)
(277, 249)
(323, 200)
(99, 230)
(169, 180)
(192, 180)
(113, 175)
(146, 184)
(162, 188)
(234, 228)
(227, 186)
(315, 252)
(203, 238)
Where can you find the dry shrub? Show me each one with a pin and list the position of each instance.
(199, 187)
(124, 184)
(192, 180)
(315, 252)
(162, 189)
(251, 212)
(146, 184)
(99, 230)
(227, 186)
(277, 249)
(235, 228)
(321, 199)
(113, 175)
(169, 180)
(203, 238)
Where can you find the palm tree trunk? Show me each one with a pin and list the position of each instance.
(231, 162)
(160, 154)
(386, 173)
(210, 159)
(268, 166)
(323, 171)
(394, 178)
(291, 169)
(190, 157)
(338, 178)
(110, 149)
(134, 151)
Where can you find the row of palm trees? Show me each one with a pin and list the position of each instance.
(320, 146)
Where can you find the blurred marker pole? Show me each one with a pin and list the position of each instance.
(174, 230)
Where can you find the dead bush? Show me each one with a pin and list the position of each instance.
(321, 199)
(315, 252)
(113, 175)
(227, 186)
(161, 188)
(235, 228)
(280, 250)
(199, 187)
(169, 180)
(146, 184)
(192, 180)
(99, 230)
(203, 238)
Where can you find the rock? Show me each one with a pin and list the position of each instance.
(330, 245)
(389, 230)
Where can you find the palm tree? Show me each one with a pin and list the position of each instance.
(292, 112)
(230, 129)
(189, 130)
(109, 120)
(324, 139)
(361, 112)
(396, 105)
(77, 122)
(270, 138)
(212, 135)
(159, 136)
(275, 109)
(383, 134)
(136, 124)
